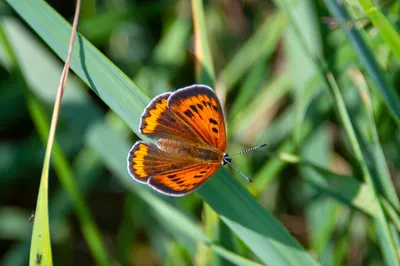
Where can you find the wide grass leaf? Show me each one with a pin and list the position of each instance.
(240, 211)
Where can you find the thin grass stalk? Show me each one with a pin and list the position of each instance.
(205, 73)
(389, 191)
(386, 241)
(389, 34)
(334, 184)
(40, 249)
(367, 58)
(62, 167)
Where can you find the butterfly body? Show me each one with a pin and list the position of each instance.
(189, 128)
(191, 150)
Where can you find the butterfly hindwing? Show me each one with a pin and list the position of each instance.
(146, 160)
(199, 107)
(183, 181)
(167, 172)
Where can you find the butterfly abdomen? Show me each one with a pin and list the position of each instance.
(170, 145)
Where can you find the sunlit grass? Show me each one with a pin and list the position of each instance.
(327, 175)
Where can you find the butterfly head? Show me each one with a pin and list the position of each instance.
(226, 159)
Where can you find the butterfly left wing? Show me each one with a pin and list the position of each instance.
(166, 172)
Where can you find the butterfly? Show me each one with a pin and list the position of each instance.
(189, 127)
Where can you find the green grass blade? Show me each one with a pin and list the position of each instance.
(111, 84)
(394, 216)
(386, 242)
(205, 62)
(87, 169)
(62, 168)
(248, 89)
(232, 257)
(389, 34)
(103, 140)
(105, 143)
(270, 170)
(236, 220)
(89, 229)
(379, 157)
(346, 189)
(40, 251)
(366, 57)
(270, 94)
(211, 223)
(242, 213)
(204, 66)
(269, 34)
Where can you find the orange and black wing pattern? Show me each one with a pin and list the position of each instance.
(167, 173)
(199, 108)
(158, 121)
(190, 128)
(184, 181)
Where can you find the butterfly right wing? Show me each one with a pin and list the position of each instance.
(199, 107)
(158, 121)
(167, 173)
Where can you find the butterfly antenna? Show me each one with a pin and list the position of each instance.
(250, 149)
(240, 172)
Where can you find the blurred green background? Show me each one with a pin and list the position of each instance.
(316, 80)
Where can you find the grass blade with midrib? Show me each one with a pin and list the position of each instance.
(243, 214)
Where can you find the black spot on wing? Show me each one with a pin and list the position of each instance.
(203, 172)
(202, 92)
(171, 176)
(200, 106)
(215, 130)
(189, 113)
(194, 108)
(213, 121)
(198, 176)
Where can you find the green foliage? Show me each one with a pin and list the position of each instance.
(303, 76)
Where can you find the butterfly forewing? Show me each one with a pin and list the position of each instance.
(158, 121)
(199, 107)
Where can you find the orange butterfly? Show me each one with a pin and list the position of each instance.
(190, 130)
